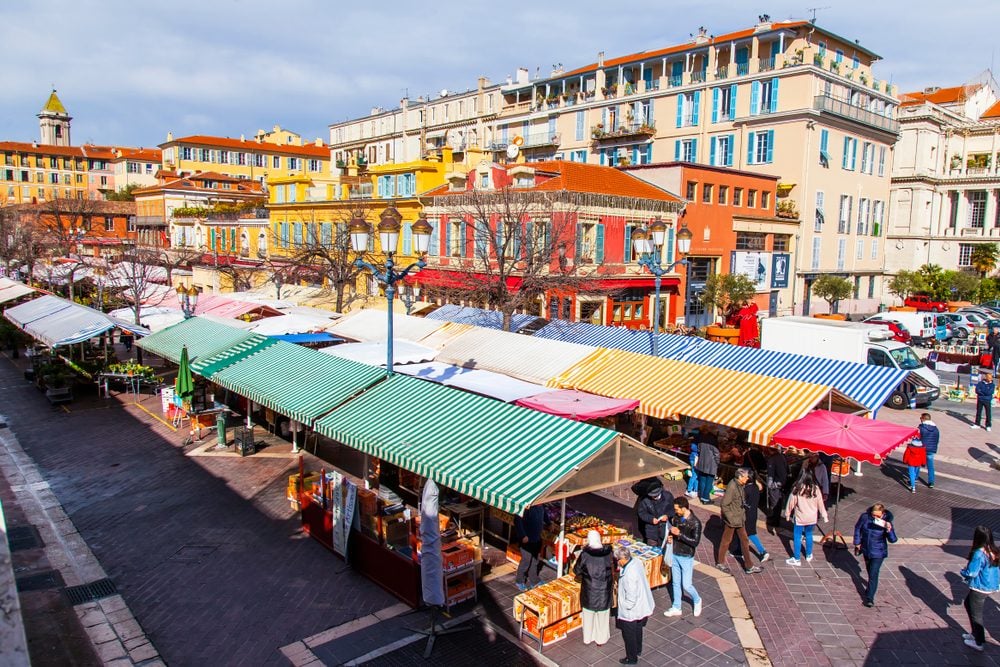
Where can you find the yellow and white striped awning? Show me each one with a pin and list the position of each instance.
(668, 389)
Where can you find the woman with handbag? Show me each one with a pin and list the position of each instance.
(685, 534)
(593, 571)
(982, 573)
(915, 457)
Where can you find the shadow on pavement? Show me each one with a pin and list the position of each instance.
(929, 647)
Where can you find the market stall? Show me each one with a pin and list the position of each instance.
(11, 290)
(487, 383)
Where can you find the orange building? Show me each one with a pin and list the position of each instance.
(88, 227)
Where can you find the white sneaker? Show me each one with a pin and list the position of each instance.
(974, 426)
(809, 559)
(672, 612)
(697, 608)
(988, 428)
(766, 557)
(971, 643)
(966, 635)
(793, 561)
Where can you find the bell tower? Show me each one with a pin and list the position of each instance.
(53, 122)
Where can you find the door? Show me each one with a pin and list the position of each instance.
(695, 312)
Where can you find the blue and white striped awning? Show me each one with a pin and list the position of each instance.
(868, 385)
(489, 319)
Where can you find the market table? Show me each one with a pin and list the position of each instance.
(133, 383)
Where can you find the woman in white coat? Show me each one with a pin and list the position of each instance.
(635, 603)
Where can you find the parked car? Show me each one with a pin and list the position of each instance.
(923, 302)
(964, 323)
(899, 331)
(981, 313)
(942, 321)
(994, 305)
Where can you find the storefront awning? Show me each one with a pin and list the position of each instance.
(505, 456)
(374, 354)
(487, 383)
(370, 325)
(668, 389)
(11, 289)
(56, 322)
(488, 319)
(843, 435)
(203, 338)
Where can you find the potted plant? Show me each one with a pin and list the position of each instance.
(597, 131)
(956, 161)
(786, 209)
(726, 294)
(832, 289)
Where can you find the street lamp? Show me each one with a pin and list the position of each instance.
(388, 231)
(188, 298)
(99, 274)
(410, 295)
(646, 242)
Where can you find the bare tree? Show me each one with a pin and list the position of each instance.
(326, 252)
(241, 276)
(62, 223)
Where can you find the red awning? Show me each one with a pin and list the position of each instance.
(844, 435)
(458, 279)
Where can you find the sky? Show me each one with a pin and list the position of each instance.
(130, 71)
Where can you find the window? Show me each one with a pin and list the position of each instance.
(187, 153)
(692, 191)
(965, 254)
(765, 200)
(275, 162)
(844, 221)
(294, 163)
(815, 252)
(977, 209)
(953, 215)
(706, 193)
(860, 249)
(259, 160)
(839, 57)
(841, 253)
(314, 165)
(580, 122)
(881, 160)
(686, 150)
(224, 157)
(737, 196)
(874, 249)
(878, 216)
(751, 199)
(855, 63)
(866, 161)
(687, 108)
(578, 156)
(723, 194)
(824, 148)
(820, 213)
(850, 153)
(109, 224)
(760, 147)
(750, 240)
(721, 151)
(724, 104)
(864, 211)
(780, 243)
(204, 155)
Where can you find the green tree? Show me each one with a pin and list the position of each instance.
(962, 285)
(727, 293)
(984, 258)
(932, 282)
(989, 290)
(905, 283)
(123, 194)
(832, 289)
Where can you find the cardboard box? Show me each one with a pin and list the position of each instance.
(456, 555)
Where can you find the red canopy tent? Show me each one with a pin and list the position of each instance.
(844, 435)
(578, 405)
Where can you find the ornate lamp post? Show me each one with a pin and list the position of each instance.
(410, 295)
(188, 298)
(388, 231)
(646, 242)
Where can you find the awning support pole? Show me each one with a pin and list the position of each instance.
(295, 436)
(562, 536)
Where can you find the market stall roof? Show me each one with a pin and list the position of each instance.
(487, 383)
(57, 322)
(204, 338)
(296, 381)
(11, 289)
(525, 357)
(667, 389)
(438, 338)
(370, 325)
(505, 456)
(489, 319)
(866, 384)
(844, 435)
(43, 306)
(221, 306)
(374, 354)
(288, 324)
(578, 405)
(154, 318)
(307, 338)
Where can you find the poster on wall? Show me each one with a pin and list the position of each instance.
(335, 480)
(780, 261)
(754, 265)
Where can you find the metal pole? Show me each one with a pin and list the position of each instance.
(390, 290)
(656, 317)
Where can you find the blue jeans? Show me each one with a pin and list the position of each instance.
(873, 565)
(930, 468)
(797, 534)
(705, 484)
(755, 541)
(693, 480)
(682, 572)
(914, 473)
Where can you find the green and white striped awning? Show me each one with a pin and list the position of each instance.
(295, 381)
(506, 456)
(208, 366)
(204, 338)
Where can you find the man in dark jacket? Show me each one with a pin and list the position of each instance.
(931, 437)
(707, 466)
(872, 534)
(777, 481)
(685, 534)
(734, 520)
(528, 533)
(654, 510)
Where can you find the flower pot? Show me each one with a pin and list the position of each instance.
(830, 316)
(730, 335)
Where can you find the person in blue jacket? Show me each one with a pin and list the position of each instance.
(984, 400)
(982, 573)
(872, 534)
(929, 435)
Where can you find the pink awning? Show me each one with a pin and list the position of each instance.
(844, 435)
(221, 306)
(577, 405)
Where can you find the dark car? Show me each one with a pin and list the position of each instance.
(899, 332)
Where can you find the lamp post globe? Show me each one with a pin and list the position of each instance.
(388, 229)
(642, 242)
(422, 231)
(359, 230)
(181, 295)
(193, 297)
(658, 232)
(684, 236)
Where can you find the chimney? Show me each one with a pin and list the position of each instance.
(522, 75)
(243, 138)
(319, 142)
(170, 136)
(482, 82)
(702, 36)
(600, 58)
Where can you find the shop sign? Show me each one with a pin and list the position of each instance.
(350, 502)
(337, 494)
(754, 265)
(780, 261)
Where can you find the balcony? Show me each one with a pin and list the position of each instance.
(675, 80)
(150, 221)
(540, 139)
(652, 84)
(826, 104)
(722, 72)
(698, 77)
(742, 69)
(626, 130)
(765, 64)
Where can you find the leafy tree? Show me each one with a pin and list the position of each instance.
(123, 194)
(832, 289)
(932, 282)
(962, 285)
(984, 258)
(989, 290)
(905, 283)
(726, 293)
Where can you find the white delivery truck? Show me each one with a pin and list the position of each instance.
(853, 341)
(920, 325)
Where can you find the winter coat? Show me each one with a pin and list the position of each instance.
(874, 540)
(708, 459)
(687, 540)
(915, 455)
(751, 504)
(984, 391)
(805, 510)
(650, 509)
(930, 436)
(981, 574)
(635, 599)
(530, 525)
(593, 570)
(777, 477)
(733, 512)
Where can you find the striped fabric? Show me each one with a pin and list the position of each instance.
(208, 366)
(868, 385)
(488, 319)
(204, 338)
(501, 454)
(668, 389)
(369, 326)
(295, 381)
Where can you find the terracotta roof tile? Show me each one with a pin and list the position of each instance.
(992, 112)
(308, 150)
(950, 95)
(196, 183)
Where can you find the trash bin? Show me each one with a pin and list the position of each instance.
(244, 440)
(220, 427)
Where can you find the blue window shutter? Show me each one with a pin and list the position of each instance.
(627, 257)
(697, 107)
(729, 150)
(635, 155)
(552, 126)
(750, 142)
(824, 140)
(715, 105)
(380, 185)
(211, 238)
(770, 146)
(636, 113)
(774, 94)
(407, 239)
(499, 235)
(847, 152)
(677, 149)
(649, 153)
(392, 186)
(447, 237)
(775, 48)
(604, 119)
(755, 98)
(670, 245)
(518, 232)
(604, 157)
(854, 154)
(599, 245)
(680, 111)
(711, 150)
(694, 150)
(650, 118)
(433, 247)
(463, 246)
(579, 243)
(732, 101)
(547, 250)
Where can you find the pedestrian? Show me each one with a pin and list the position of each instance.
(707, 465)
(982, 573)
(805, 505)
(594, 570)
(126, 340)
(815, 467)
(654, 510)
(873, 533)
(915, 457)
(692, 485)
(777, 482)
(635, 603)
(734, 521)
(994, 347)
(984, 400)
(528, 532)
(751, 492)
(930, 436)
(685, 534)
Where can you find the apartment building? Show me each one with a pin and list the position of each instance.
(945, 195)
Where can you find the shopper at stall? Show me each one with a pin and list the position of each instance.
(805, 505)
(528, 533)
(127, 339)
(734, 521)
(777, 482)
(635, 603)
(873, 533)
(930, 436)
(915, 457)
(814, 467)
(685, 534)
(752, 491)
(707, 466)
(594, 570)
(984, 399)
(692, 485)
(982, 573)
(654, 510)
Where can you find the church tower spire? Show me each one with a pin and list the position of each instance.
(54, 122)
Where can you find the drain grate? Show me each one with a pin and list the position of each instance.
(40, 581)
(95, 590)
(24, 537)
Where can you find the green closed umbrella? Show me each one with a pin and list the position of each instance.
(184, 385)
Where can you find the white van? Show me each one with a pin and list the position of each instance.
(920, 325)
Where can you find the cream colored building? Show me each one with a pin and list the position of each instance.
(945, 182)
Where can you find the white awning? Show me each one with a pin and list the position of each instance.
(56, 322)
(11, 289)
(288, 324)
(487, 383)
(370, 325)
(374, 354)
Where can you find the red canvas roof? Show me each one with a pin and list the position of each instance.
(844, 435)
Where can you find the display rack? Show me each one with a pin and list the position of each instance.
(460, 584)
